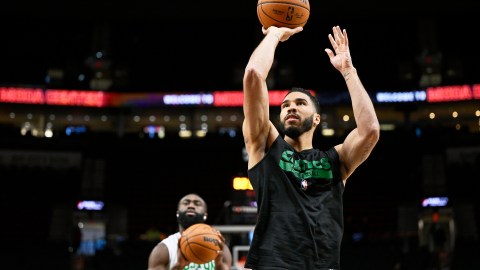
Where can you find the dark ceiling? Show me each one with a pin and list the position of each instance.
(204, 45)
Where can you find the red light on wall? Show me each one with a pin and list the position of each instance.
(476, 91)
(435, 217)
(21, 95)
(228, 98)
(235, 98)
(449, 93)
(76, 98)
(276, 97)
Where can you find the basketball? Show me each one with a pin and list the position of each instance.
(283, 13)
(200, 243)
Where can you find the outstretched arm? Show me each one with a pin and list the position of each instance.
(360, 142)
(258, 131)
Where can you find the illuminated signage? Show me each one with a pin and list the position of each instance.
(435, 202)
(88, 98)
(276, 97)
(22, 95)
(449, 93)
(69, 130)
(242, 183)
(188, 99)
(90, 205)
(75, 98)
(412, 96)
(244, 209)
(235, 98)
(227, 99)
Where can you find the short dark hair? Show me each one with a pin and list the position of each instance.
(314, 99)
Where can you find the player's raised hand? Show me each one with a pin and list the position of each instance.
(340, 56)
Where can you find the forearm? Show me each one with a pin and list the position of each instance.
(262, 58)
(256, 100)
(363, 110)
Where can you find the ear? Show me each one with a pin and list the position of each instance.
(316, 119)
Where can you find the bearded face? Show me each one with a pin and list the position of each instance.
(295, 131)
(186, 220)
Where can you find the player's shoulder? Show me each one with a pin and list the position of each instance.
(332, 153)
(172, 239)
(159, 256)
(174, 236)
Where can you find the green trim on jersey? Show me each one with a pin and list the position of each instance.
(205, 266)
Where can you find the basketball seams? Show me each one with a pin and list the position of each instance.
(209, 247)
(266, 14)
(283, 13)
(284, 3)
(198, 241)
(190, 248)
(194, 246)
(193, 253)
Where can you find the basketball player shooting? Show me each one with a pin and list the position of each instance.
(299, 188)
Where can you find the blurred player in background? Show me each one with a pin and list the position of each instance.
(192, 209)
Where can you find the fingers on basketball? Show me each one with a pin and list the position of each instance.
(283, 13)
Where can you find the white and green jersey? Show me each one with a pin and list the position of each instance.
(171, 242)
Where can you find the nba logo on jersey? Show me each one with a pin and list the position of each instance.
(304, 184)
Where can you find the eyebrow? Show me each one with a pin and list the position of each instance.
(297, 99)
(194, 200)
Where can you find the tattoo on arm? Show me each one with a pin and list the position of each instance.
(346, 76)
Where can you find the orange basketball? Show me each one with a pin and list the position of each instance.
(200, 243)
(283, 13)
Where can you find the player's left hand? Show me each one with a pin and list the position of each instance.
(282, 33)
(340, 56)
(219, 258)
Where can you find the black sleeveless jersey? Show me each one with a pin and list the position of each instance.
(300, 210)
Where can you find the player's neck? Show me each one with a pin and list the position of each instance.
(304, 142)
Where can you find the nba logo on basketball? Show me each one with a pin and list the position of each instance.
(283, 13)
(290, 12)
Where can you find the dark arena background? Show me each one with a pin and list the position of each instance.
(111, 111)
